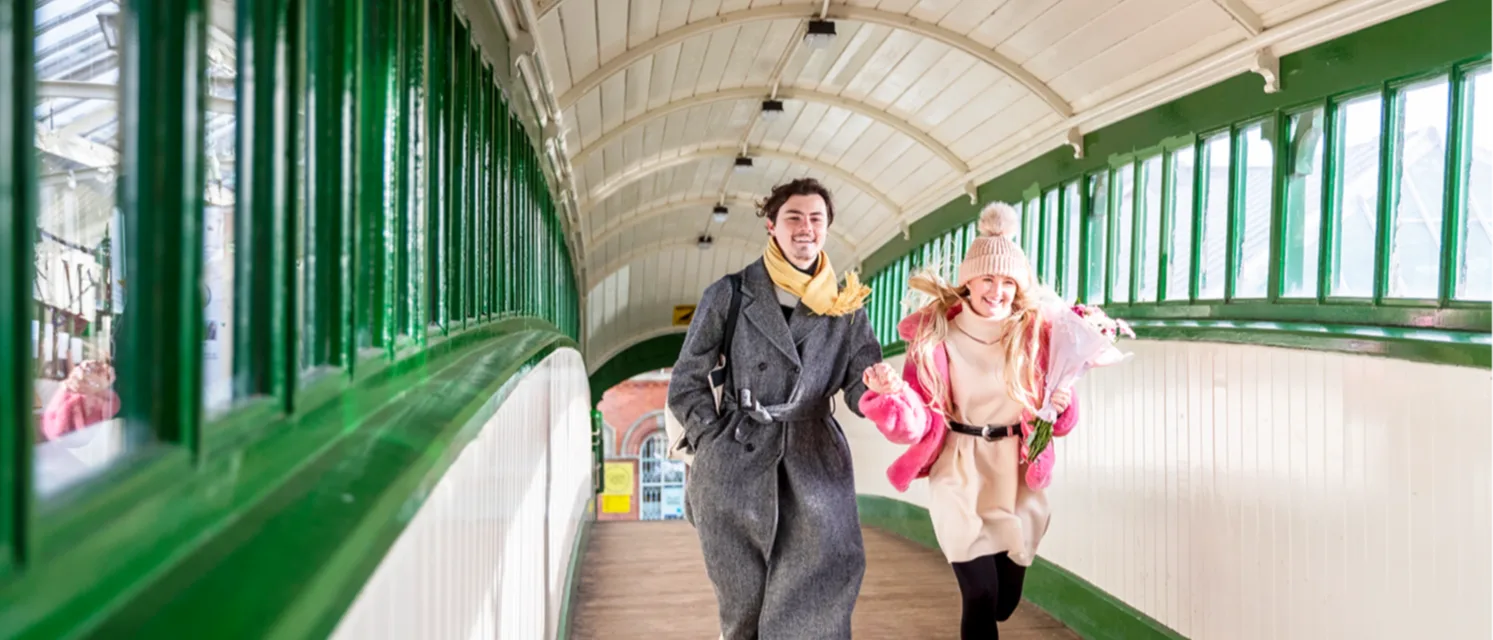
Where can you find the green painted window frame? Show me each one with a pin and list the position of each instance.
(1464, 324)
(341, 85)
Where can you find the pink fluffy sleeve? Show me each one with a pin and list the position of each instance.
(1066, 420)
(903, 416)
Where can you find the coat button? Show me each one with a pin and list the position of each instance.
(761, 366)
(751, 447)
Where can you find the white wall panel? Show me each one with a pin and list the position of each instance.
(486, 555)
(1233, 491)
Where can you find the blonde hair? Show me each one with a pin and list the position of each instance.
(1020, 344)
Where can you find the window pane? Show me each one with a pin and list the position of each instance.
(1214, 251)
(1179, 248)
(1050, 237)
(1124, 233)
(1098, 240)
(81, 252)
(218, 209)
(1356, 197)
(1030, 219)
(1150, 229)
(1072, 239)
(1420, 188)
(1259, 179)
(1303, 205)
(1475, 264)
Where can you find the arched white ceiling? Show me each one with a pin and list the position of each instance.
(911, 104)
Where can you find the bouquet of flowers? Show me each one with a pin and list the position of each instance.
(1083, 337)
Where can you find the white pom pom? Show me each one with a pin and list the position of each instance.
(1000, 219)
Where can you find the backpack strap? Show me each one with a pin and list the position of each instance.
(721, 377)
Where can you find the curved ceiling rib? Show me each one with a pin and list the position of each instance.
(786, 93)
(655, 209)
(805, 11)
(600, 275)
(645, 169)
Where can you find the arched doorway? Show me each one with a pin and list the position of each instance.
(661, 480)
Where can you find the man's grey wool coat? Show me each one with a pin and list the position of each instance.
(774, 502)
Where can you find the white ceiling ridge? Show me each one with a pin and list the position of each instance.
(701, 204)
(726, 242)
(1326, 23)
(783, 93)
(596, 363)
(649, 167)
(658, 207)
(805, 11)
(86, 90)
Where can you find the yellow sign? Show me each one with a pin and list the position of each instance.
(616, 504)
(683, 314)
(617, 479)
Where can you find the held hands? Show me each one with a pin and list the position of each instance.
(883, 379)
(1061, 399)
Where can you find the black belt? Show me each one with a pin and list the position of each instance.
(801, 411)
(988, 432)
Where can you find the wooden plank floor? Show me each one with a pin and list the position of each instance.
(647, 580)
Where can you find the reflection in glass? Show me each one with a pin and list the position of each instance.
(1150, 229)
(1179, 255)
(79, 289)
(1049, 237)
(1213, 253)
(1258, 156)
(1124, 233)
(1098, 242)
(1303, 205)
(218, 210)
(1419, 173)
(1356, 200)
(1073, 239)
(1475, 264)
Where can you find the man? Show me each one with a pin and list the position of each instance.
(772, 492)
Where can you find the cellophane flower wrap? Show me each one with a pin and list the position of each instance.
(1082, 338)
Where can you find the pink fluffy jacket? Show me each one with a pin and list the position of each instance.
(904, 417)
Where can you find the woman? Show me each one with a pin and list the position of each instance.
(974, 380)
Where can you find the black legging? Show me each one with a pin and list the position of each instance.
(991, 586)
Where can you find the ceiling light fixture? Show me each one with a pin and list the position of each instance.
(704, 241)
(720, 213)
(772, 109)
(743, 164)
(819, 34)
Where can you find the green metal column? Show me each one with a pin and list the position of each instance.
(160, 198)
(17, 220)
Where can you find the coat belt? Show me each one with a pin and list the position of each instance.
(801, 411)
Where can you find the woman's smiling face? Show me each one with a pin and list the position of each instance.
(991, 296)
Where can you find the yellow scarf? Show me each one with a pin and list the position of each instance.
(819, 292)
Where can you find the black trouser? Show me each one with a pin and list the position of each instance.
(991, 586)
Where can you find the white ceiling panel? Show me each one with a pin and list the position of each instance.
(910, 101)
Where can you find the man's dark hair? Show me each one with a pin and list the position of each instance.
(800, 187)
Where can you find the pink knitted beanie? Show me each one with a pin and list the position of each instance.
(995, 252)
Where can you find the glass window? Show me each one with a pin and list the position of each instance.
(81, 251)
(1049, 237)
(1072, 239)
(1356, 197)
(218, 208)
(1124, 233)
(1098, 240)
(1303, 204)
(1258, 156)
(1149, 251)
(1419, 166)
(1475, 259)
(1031, 215)
(1213, 254)
(1179, 242)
